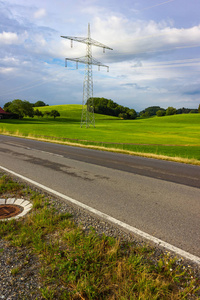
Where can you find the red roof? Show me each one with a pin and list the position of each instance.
(2, 111)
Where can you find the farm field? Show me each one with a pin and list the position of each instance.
(174, 137)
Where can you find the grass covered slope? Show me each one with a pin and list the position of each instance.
(173, 136)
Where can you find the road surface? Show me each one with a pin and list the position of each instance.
(159, 198)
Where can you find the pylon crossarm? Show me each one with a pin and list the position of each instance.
(97, 44)
(87, 41)
(84, 60)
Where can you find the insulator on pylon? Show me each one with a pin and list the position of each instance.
(65, 62)
(71, 43)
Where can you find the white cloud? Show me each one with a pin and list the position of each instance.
(12, 38)
(40, 13)
(138, 38)
(6, 70)
(8, 38)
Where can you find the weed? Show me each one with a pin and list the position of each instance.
(6, 184)
(15, 271)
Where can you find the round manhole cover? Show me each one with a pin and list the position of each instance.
(8, 211)
(13, 208)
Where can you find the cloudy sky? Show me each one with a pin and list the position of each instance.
(155, 58)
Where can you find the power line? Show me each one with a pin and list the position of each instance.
(154, 51)
(166, 65)
(157, 4)
(27, 86)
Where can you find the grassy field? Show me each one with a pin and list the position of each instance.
(176, 136)
(74, 264)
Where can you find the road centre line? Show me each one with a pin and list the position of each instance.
(28, 148)
(146, 236)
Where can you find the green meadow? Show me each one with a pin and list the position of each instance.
(175, 137)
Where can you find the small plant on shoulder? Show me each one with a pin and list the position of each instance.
(15, 271)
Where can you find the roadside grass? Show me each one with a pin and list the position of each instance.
(175, 136)
(79, 265)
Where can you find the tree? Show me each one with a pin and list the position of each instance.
(27, 109)
(170, 111)
(47, 113)
(111, 108)
(54, 113)
(150, 111)
(132, 114)
(193, 111)
(123, 116)
(40, 103)
(38, 113)
(6, 105)
(160, 113)
(199, 108)
(21, 108)
(146, 114)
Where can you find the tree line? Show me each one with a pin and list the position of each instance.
(108, 107)
(19, 109)
(158, 111)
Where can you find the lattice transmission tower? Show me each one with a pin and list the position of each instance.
(87, 117)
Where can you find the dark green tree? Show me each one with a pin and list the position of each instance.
(6, 105)
(132, 114)
(111, 108)
(54, 113)
(170, 111)
(47, 113)
(150, 111)
(199, 108)
(123, 116)
(40, 103)
(21, 108)
(146, 114)
(38, 113)
(160, 112)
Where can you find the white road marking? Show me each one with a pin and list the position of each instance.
(28, 148)
(45, 152)
(132, 229)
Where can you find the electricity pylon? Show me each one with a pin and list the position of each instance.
(87, 117)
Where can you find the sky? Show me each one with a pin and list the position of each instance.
(155, 58)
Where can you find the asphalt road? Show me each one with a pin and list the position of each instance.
(158, 197)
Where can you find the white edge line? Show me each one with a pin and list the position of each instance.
(132, 229)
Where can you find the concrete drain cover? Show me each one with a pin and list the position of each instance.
(12, 208)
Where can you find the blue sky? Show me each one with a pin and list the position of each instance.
(155, 58)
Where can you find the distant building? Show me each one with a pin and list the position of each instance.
(7, 115)
(3, 114)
